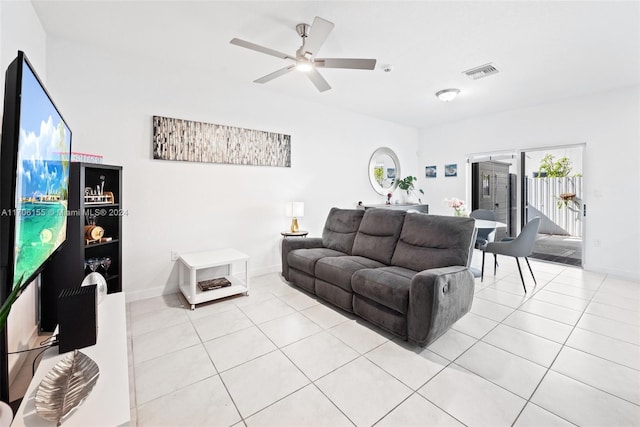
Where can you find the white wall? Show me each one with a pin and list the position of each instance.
(109, 99)
(609, 124)
(20, 29)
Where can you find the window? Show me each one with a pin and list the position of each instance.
(486, 185)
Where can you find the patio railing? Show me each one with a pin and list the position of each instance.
(558, 202)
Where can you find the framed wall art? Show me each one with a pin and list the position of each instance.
(189, 141)
(451, 170)
(430, 171)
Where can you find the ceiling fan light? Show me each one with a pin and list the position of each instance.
(304, 66)
(447, 95)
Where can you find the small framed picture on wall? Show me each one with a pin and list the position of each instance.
(451, 170)
(430, 171)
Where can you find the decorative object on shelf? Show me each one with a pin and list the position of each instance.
(458, 206)
(430, 171)
(93, 233)
(86, 158)
(207, 285)
(384, 168)
(93, 196)
(295, 210)
(407, 185)
(66, 385)
(106, 263)
(389, 198)
(451, 170)
(189, 141)
(92, 264)
(97, 279)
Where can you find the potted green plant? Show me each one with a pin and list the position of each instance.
(407, 185)
(551, 168)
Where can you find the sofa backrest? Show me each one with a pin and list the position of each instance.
(433, 241)
(341, 228)
(378, 234)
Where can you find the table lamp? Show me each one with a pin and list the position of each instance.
(295, 210)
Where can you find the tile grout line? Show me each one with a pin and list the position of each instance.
(554, 361)
(311, 382)
(486, 379)
(323, 329)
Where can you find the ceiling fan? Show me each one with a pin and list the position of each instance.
(313, 37)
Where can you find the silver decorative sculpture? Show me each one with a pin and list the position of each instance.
(66, 386)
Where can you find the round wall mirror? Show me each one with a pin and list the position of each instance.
(384, 170)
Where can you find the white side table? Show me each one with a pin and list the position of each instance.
(192, 269)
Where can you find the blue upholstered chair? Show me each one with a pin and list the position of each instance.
(521, 246)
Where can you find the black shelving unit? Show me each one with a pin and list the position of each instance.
(67, 268)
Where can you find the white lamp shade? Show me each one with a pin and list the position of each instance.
(295, 209)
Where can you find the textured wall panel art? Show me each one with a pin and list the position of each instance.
(189, 141)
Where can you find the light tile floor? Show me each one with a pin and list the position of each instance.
(567, 352)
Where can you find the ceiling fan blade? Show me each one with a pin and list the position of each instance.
(318, 80)
(262, 49)
(354, 63)
(280, 72)
(319, 32)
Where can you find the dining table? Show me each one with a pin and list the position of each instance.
(485, 224)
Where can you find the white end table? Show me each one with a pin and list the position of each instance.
(191, 263)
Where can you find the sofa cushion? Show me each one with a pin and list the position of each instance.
(340, 229)
(378, 234)
(303, 280)
(379, 315)
(432, 241)
(335, 295)
(305, 259)
(388, 286)
(338, 270)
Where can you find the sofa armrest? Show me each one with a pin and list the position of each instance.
(437, 299)
(289, 245)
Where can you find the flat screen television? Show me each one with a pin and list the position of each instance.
(34, 183)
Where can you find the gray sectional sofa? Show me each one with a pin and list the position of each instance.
(404, 272)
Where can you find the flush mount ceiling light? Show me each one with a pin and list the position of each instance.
(447, 95)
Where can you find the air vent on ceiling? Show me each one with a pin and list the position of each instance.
(481, 71)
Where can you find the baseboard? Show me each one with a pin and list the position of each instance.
(266, 270)
(628, 275)
(173, 288)
(130, 296)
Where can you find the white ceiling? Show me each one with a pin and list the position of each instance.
(545, 50)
